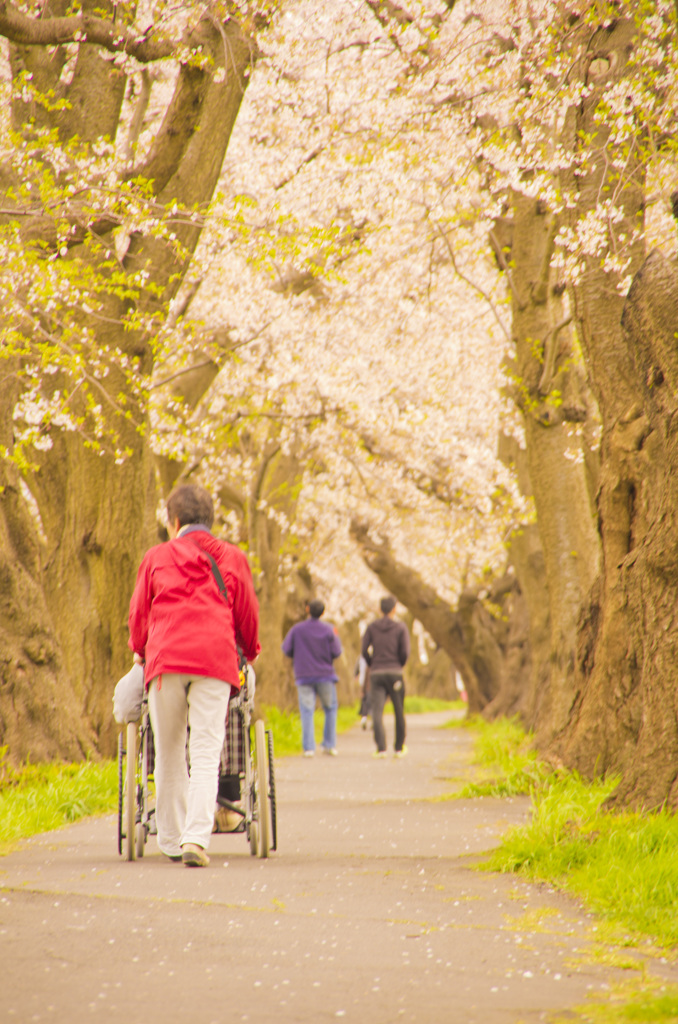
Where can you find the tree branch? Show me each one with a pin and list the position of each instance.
(134, 131)
(471, 283)
(550, 349)
(82, 28)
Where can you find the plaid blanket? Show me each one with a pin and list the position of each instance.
(233, 751)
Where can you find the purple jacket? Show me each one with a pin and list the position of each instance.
(313, 645)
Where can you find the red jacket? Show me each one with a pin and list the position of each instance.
(178, 620)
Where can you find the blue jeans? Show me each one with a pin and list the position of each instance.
(327, 692)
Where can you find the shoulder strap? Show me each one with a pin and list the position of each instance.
(223, 590)
(216, 572)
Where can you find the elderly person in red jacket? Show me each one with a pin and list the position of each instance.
(186, 631)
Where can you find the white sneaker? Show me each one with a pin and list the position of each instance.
(380, 753)
(309, 753)
(331, 751)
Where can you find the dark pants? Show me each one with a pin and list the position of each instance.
(382, 686)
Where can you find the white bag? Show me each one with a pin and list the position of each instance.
(128, 695)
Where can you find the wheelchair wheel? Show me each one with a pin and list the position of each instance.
(130, 790)
(121, 787)
(271, 791)
(263, 799)
(141, 817)
(254, 838)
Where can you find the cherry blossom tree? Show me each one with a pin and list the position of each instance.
(114, 126)
(580, 145)
(425, 231)
(354, 346)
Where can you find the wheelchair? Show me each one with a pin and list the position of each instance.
(247, 758)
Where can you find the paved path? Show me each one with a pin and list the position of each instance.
(369, 912)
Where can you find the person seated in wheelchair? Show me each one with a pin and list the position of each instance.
(193, 605)
(229, 814)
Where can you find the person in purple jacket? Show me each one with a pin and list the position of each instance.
(313, 646)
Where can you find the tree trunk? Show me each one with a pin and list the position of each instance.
(434, 674)
(615, 674)
(627, 715)
(96, 514)
(40, 712)
(268, 510)
(549, 390)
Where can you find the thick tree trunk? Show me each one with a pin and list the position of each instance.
(627, 715)
(625, 643)
(266, 509)
(528, 681)
(97, 515)
(40, 712)
(273, 678)
(549, 389)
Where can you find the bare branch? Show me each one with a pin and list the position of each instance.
(471, 283)
(307, 160)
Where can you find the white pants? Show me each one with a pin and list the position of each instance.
(185, 804)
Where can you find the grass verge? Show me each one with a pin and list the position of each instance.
(646, 1002)
(623, 866)
(41, 797)
(506, 764)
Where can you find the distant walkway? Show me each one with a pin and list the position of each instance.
(369, 912)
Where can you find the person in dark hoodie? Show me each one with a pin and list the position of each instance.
(193, 606)
(386, 648)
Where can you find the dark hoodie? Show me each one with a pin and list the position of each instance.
(386, 645)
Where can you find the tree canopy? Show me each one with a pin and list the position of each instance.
(373, 272)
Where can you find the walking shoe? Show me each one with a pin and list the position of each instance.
(309, 753)
(194, 856)
(332, 751)
(363, 723)
(401, 753)
(380, 753)
(226, 820)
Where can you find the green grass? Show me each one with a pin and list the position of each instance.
(420, 705)
(41, 797)
(647, 1002)
(623, 866)
(506, 763)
